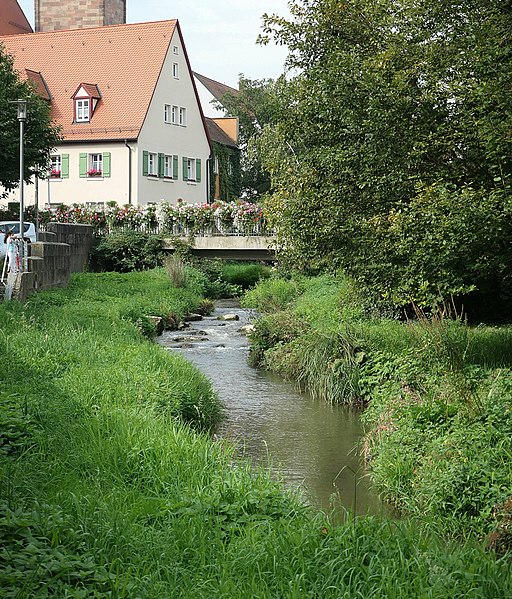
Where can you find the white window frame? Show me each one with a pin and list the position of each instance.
(175, 49)
(95, 163)
(183, 117)
(174, 114)
(56, 166)
(175, 70)
(83, 110)
(167, 113)
(191, 169)
(152, 164)
(168, 166)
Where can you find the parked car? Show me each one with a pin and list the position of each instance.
(14, 226)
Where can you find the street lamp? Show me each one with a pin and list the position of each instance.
(22, 117)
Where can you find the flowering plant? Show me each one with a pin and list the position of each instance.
(55, 173)
(93, 172)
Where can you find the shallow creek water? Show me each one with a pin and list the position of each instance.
(309, 443)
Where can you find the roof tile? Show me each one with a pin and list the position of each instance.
(124, 61)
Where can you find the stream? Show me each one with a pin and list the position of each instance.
(309, 444)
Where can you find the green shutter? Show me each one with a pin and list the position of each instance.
(106, 164)
(185, 170)
(198, 170)
(64, 169)
(174, 167)
(145, 161)
(161, 159)
(83, 164)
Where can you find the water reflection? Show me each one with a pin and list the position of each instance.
(311, 444)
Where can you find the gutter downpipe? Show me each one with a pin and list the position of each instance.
(129, 172)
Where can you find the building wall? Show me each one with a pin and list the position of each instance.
(160, 137)
(82, 190)
(52, 15)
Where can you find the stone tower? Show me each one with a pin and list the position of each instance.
(51, 15)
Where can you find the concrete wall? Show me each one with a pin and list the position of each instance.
(64, 249)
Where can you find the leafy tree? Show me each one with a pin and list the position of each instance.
(256, 104)
(394, 105)
(40, 135)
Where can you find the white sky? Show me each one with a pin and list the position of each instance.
(220, 36)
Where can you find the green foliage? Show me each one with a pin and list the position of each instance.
(40, 134)
(256, 104)
(273, 295)
(126, 251)
(390, 155)
(245, 275)
(104, 492)
(439, 417)
(228, 161)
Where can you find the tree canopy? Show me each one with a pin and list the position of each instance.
(40, 135)
(391, 157)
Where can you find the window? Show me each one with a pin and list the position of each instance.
(168, 167)
(192, 169)
(175, 70)
(152, 164)
(216, 166)
(167, 113)
(82, 110)
(183, 117)
(56, 167)
(93, 166)
(174, 115)
(175, 49)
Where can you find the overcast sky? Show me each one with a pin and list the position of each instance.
(220, 36)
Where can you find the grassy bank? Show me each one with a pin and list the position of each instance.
(109, 487)
(439, 415)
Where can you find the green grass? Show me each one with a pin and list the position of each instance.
(439, 420)
(111, 487)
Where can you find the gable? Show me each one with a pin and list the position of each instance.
(123, 62)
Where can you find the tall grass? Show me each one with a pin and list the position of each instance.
(106, 491)
(439, 420)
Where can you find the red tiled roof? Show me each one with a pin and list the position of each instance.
(12, 18)
(219, 135)
(124, 61)
(39, 83)
(89, 88)
(216, 88)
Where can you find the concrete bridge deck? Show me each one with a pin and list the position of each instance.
(232, 247)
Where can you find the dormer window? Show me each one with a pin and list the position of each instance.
(85, 100)
(82, 111)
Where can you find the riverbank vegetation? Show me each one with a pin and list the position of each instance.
(439, 415)
(110, 485)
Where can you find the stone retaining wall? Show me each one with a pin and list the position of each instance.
(63, 249)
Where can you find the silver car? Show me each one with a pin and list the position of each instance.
(14, 226)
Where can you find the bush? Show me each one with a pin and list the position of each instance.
(126, 251)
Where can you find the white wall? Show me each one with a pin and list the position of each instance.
(160, 137)
(79, 190)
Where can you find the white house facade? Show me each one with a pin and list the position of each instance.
(132, 125)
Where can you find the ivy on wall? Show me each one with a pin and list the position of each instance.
(230, 176)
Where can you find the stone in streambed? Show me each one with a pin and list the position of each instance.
(228, 317)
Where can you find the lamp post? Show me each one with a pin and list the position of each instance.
(22, 117)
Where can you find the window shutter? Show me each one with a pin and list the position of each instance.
(185, 168)
(145, 161)
(174, 167)
(198, 170)
(64, 168)
(106, 164)
(83, 164)
(161, 159)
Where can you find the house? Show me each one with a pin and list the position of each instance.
(125, 98)
(210, 93)
(225, 181)
(12, 18)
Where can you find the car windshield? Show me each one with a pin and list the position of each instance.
(14, 227)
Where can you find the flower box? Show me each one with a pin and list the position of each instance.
(94, 173)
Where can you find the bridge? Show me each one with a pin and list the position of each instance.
(227, 247)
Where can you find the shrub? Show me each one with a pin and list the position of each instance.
(125, 251)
